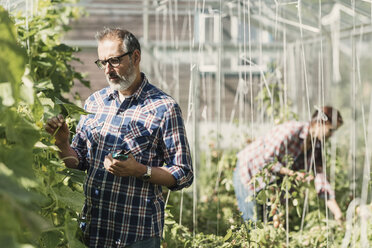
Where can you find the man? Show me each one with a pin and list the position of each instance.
(299, 140)
(124, 204)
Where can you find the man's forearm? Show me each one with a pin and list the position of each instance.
(159, 175)
(68, 155)
(163, 177)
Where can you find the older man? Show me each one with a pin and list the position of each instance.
(137, 121)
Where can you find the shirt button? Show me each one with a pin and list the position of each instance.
(117, 242)
(96, 192)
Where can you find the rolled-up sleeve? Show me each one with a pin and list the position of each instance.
(323, 187)
(176, 149)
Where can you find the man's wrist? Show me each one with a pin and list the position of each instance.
(62, 144)
(144, 172)
(141, 170)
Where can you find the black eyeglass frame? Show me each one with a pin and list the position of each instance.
(104, 62)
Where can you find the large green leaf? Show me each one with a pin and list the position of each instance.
(71, 227)
(77, 176)
(18, 129)
(70, 198)
(18, 159)
(51, 239)
(6, 94)
(12, 56)
(15, 217)
(8, 240)
(10, 188)
(71, 108)
(26, 90)
(64, 48)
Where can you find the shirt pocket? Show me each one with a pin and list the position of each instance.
(137, 138)
(94, 129)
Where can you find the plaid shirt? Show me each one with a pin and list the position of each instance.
(286, 139)
(121, 210)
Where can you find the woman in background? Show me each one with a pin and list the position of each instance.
(297, 140)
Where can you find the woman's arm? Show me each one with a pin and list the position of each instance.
(335, 209)
(300, 176)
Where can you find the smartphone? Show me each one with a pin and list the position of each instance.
(122, 155)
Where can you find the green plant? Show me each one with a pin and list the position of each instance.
(316, 231)
(273, 101)
(39, 198)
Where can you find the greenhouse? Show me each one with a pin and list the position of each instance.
(252, 91)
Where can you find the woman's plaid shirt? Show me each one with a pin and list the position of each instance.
(121, 210)
(285, 139)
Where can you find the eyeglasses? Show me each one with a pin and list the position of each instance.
(114, 61)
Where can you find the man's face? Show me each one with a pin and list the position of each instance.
(122, 76)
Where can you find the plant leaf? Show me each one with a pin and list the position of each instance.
(12, 64)
(71, 108)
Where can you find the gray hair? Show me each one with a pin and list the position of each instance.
(130, 41)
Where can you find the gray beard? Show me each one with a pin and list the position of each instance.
(124, 82)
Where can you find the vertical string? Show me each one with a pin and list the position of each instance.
(250, 67)
(261, 103)
(181, 209)
(218, 74)
(164, 42)
(306, 105)
(335, 34)
(285, 111)
(246, 17)
(366, 179)
(366, 169)
(240, 80)
(354, 116)
(322, 103)
(244, 52)
(303, 59)
(193, 99)
(27, 27)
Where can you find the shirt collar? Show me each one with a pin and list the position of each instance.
(139, 94)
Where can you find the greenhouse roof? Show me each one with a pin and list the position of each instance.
(314, 18)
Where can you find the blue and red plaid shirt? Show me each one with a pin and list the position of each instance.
(121, 210)
(283, 141)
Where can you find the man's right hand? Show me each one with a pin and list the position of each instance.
(57, 126)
